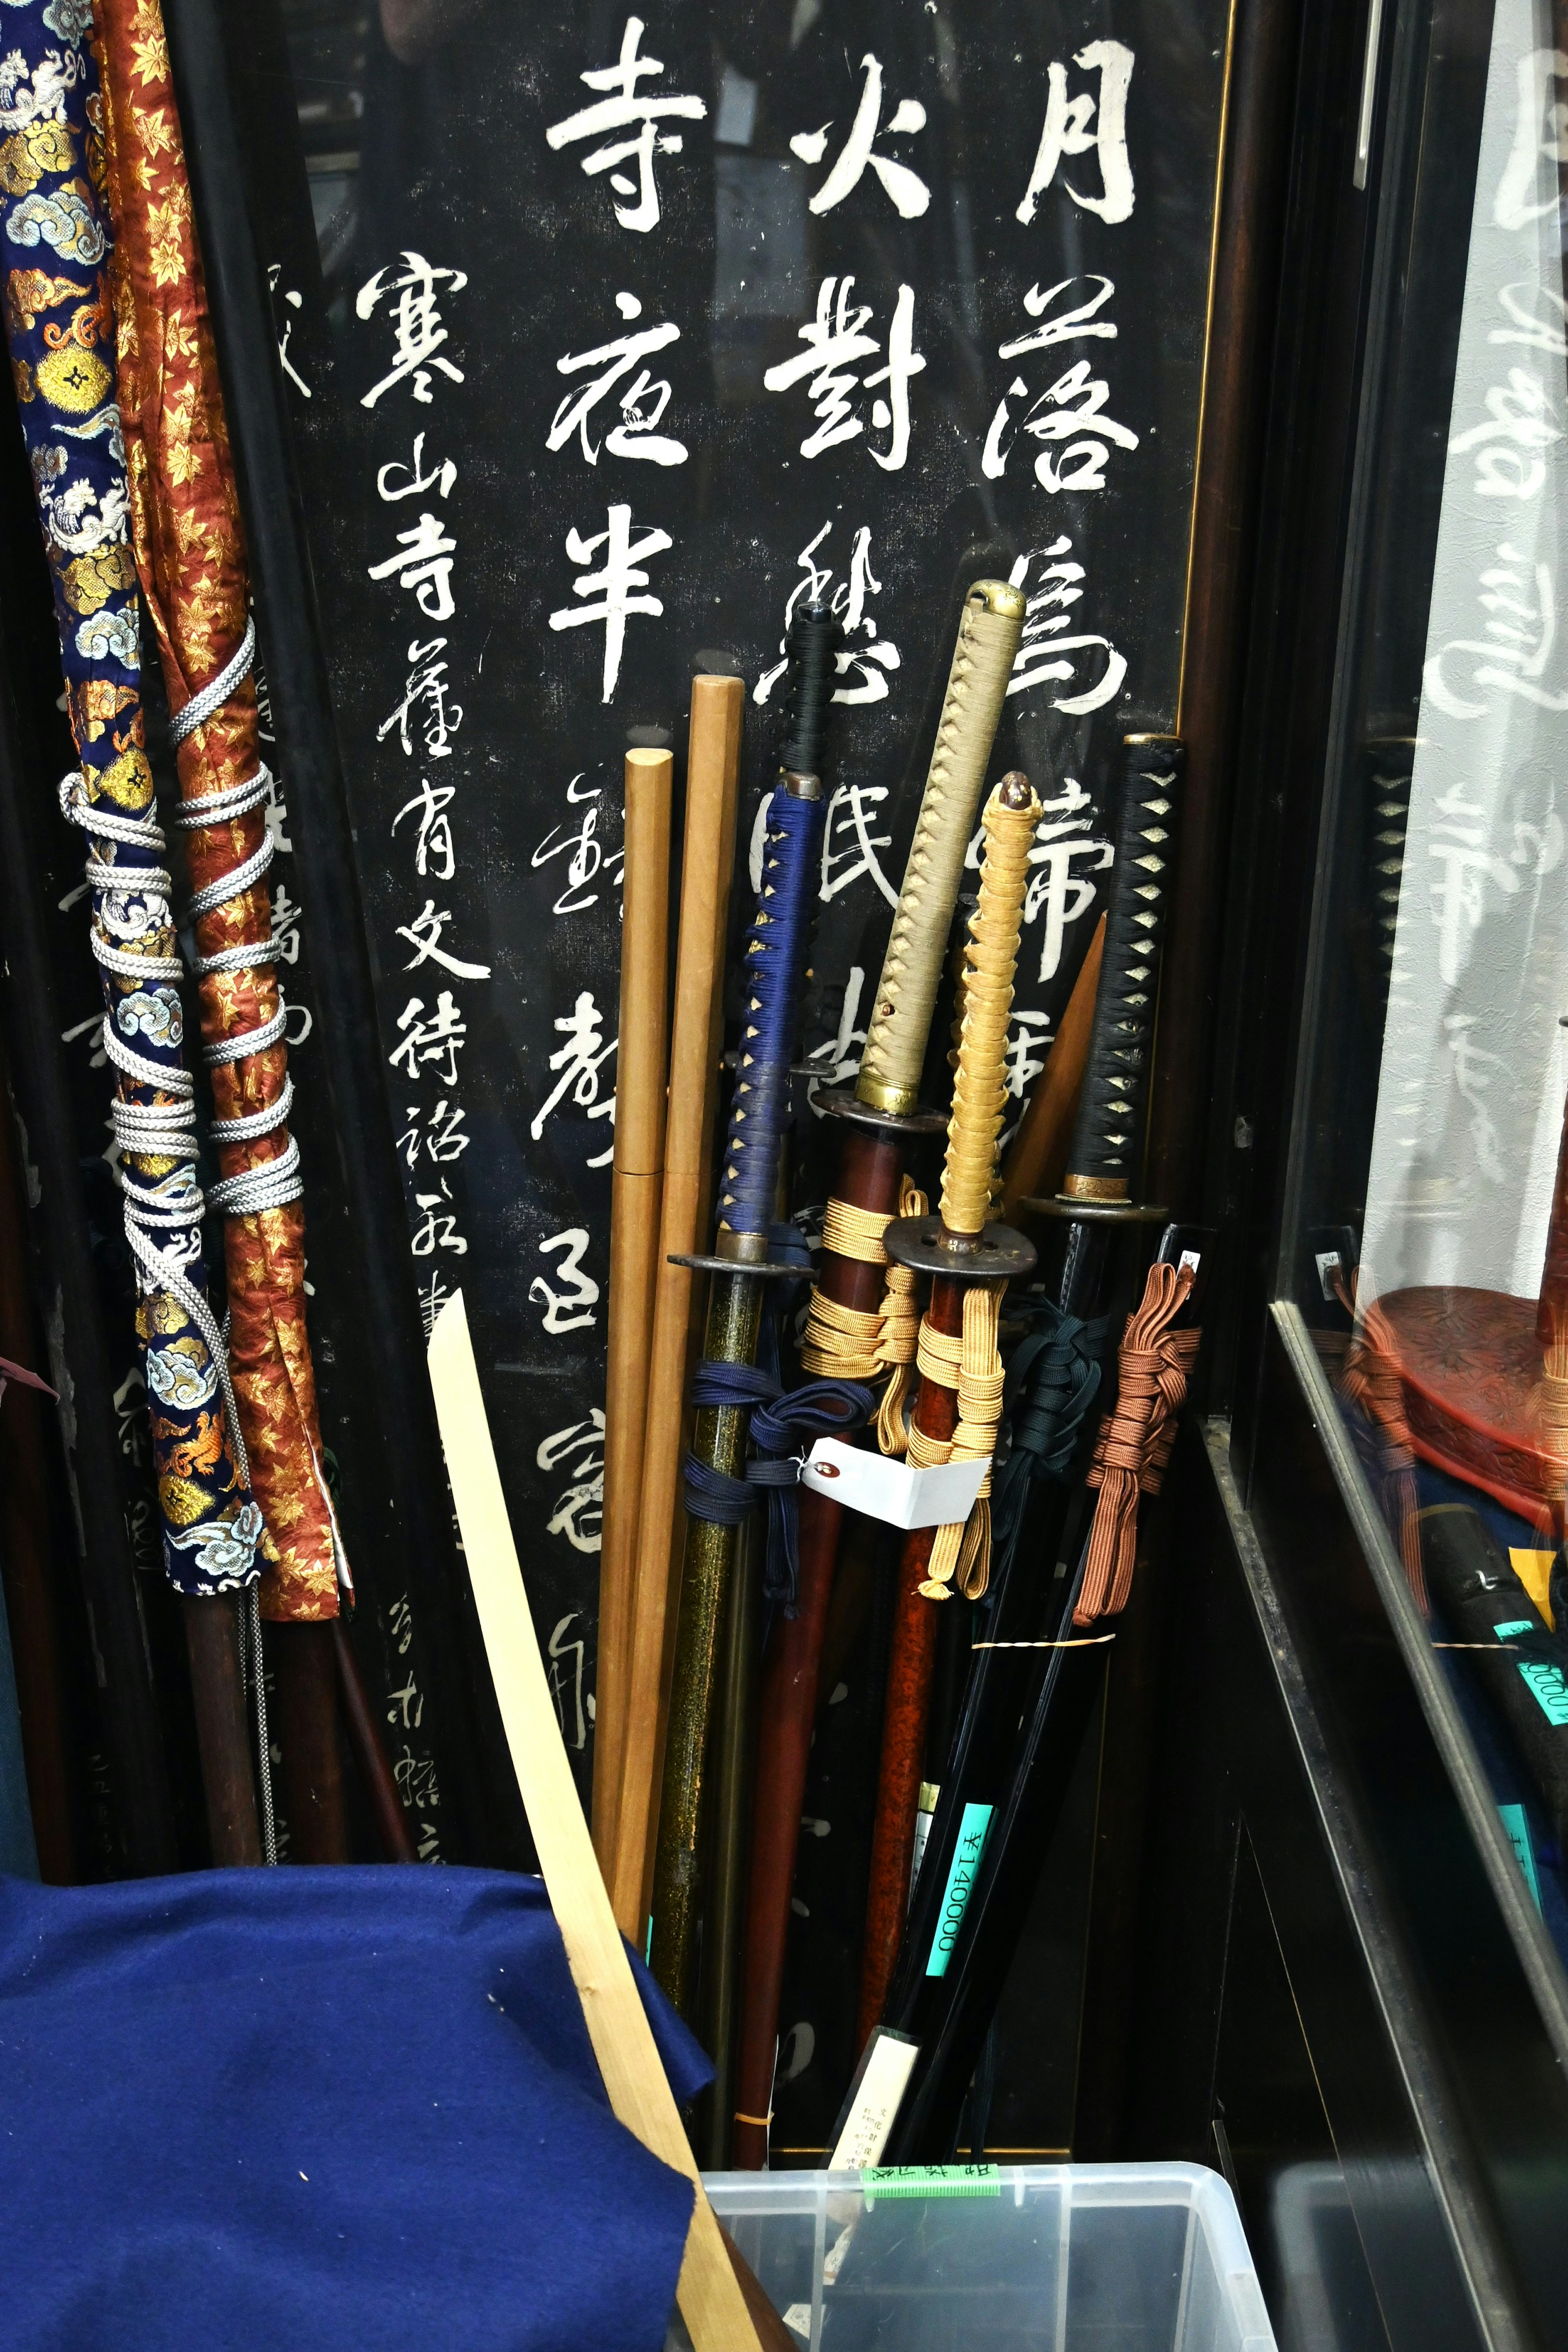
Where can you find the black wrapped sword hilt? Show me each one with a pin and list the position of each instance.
(813, 641)
(1106, 1160)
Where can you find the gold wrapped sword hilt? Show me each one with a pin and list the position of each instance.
(971, 1262)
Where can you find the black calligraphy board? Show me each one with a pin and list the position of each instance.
(607, 337)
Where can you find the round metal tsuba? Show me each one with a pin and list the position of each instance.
(1001, 1254)
(765, 1271)
(840, 1102)
(1099, 1213)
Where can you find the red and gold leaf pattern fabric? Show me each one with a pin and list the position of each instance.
(190, 554)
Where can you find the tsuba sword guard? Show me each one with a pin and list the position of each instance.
(921, 1243)
(840, 1102)
(765, 1270)
(1098, 1213)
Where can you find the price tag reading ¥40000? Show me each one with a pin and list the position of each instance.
(940, 1495)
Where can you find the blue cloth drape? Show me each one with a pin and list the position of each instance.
(319, 2107)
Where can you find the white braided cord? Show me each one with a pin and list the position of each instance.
(217, 692)
(277, 1181)
(236, 959)
(232, 884)
(256, 1122)
(235, 800)
(246, 1041)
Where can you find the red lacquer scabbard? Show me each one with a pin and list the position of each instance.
(869, 1175)
(909, 1672)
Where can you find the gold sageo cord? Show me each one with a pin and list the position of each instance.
(971, 1363)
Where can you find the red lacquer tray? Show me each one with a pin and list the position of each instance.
(1470, 1367)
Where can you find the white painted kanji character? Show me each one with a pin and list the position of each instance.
(637, 435)
(566, 1681)
(432, 850)
(439, 1230)
(579, 1061)
(434, 1294)
(438, 1040)
(872, 664)
(570, 1308)
(416, 325)
(1043, 650)
(908, 192)
(849, 844)
(839, 1057)
(425, 564)
(623, 111)
(585, 853)
(440, 477)
(578, 1513)
(286, 914)
(407, 1708)
(1067, 131)
(425, 683)
(423, 935)
(294, 303)
(836, 342)
(612, 585)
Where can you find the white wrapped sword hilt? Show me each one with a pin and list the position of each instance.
(989, 634)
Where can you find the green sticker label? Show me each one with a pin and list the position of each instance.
(973, 1831)
(930, 2180)
(1518, 1828)
(1514, 1625)
(1549, 1690)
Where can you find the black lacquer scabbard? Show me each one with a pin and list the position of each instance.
(957, 2008)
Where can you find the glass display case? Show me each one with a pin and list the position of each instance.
(1425, 1241)
(1351, 1859)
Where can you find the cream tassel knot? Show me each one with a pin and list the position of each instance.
(972, 1365)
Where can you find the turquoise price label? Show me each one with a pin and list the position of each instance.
(1513, 1625)
(930, 2180)
(973, 1832)
(1547, 1687)
(1518, 1828)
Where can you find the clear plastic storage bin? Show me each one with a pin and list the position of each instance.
(1001, 2258)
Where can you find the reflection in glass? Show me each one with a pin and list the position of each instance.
(1432, 1251)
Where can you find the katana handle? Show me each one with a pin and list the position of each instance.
(774, 965)
(814, 640)
(900, 1023)
(1106, 1157)
(990, 956)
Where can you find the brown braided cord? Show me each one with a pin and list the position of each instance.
(845, 1343)
(980, 1087)
(971, 1364)
(1136, 1440)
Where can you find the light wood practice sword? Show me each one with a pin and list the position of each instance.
(711, 2299)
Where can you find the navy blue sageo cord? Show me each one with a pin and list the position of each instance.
(1052, 1382)
(816, 1409)
(774, 965)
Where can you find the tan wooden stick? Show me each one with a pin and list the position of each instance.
(636, 1188)
(713, 778)
(1037, 1163)
(711, 2301)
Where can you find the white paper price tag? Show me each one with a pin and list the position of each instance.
(941, 1496)
(885, 2078)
